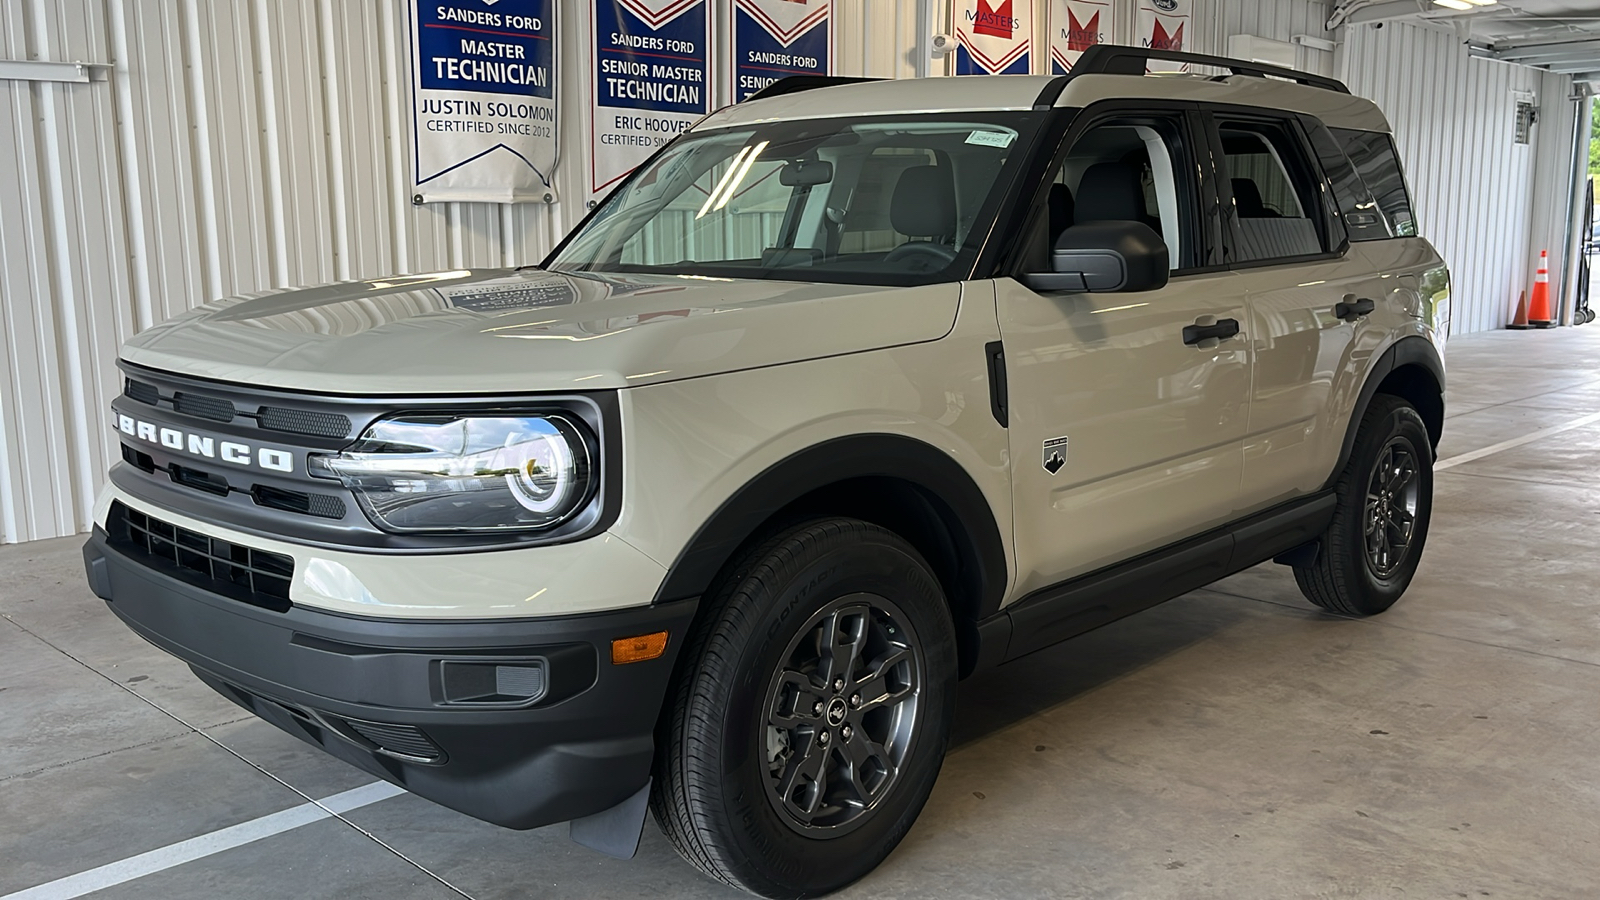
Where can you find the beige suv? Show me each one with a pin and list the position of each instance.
(851, 390)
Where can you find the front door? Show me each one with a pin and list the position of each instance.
(1124, 437)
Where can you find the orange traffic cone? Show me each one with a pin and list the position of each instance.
(1520, 321)
(1539, 315)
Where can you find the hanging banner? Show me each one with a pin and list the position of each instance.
(1160, 27)
(650, 82)
(1075, 26)
(483, 100)
(994, 38)
(774, 39)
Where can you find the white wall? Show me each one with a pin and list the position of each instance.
(1476, 191)
(240, 145)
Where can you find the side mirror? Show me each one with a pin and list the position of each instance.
(805, 173)
(1118, 256)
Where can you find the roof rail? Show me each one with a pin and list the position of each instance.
(794, 84)
(1113, 59)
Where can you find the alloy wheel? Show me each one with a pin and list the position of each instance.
(1393, 494)
(841, 713)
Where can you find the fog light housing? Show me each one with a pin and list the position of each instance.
(493, 683)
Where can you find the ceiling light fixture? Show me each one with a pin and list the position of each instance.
(1454, 4)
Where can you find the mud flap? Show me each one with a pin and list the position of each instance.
(615, 831)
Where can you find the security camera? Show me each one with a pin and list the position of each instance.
(942, 45)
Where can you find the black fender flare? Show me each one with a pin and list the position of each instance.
(966, 513)
(1412, 350)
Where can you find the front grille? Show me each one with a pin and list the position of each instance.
(200, 406)
(220, 409)
(142, 392)
(321, 505)
(200, 480)
(258, 577)
(138, 459)
(406, 741)
(300, 421)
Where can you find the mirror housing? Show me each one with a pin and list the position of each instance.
(805, 173)
(1105, 257)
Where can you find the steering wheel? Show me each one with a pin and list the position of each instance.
(932, 256)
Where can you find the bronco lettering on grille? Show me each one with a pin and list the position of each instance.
(205, 446)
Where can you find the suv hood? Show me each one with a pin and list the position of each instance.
(513, 331)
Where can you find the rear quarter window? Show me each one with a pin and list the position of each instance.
(1374, 157)
(1362, 219)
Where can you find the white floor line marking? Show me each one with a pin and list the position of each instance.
(1492, 449)
(207, 844)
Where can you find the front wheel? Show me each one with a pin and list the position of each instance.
(812, 714)
(1384, 500)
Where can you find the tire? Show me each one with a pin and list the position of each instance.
(1370, 551)
(735, 788)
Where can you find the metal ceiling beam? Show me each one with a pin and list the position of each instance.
(1534, 54)
(1590, 58)
(1576, 65)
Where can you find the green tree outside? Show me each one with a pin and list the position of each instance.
(1594, 137)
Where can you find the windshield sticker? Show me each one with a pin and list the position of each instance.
(991, 138)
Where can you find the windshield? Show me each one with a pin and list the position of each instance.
(901, 200)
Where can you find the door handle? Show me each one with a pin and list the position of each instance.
(1222, 329)
(1351, 309)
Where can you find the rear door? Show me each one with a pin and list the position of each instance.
(1309, 326)
(1124, 437)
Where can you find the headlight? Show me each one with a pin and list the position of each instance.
(466, 473)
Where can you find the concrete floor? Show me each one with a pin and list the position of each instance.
(1234, 743)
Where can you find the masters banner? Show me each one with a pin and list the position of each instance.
(483, 100)
(1075, 26)
(650, 81)
(1161, 25)
(994, 38)
(774, 39)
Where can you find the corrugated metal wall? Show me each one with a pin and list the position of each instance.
(1474, 188)
(240, 145)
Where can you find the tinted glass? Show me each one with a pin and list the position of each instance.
(1273, 196)
(886, 200)
(1374, 157)
(1362, 220)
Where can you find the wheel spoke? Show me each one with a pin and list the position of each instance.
(1402, 517)
(809, 772)
(794, 701)
(860, 751)
(842, 634)
(876, 690)
(1405, 472)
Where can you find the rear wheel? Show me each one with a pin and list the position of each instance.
(812, 715)
(1384, 500)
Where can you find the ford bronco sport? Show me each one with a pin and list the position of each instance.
(851, 390)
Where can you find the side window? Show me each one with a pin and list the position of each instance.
(1374, 156)
(1362, 220)
(1274, 196)
(1127, 169)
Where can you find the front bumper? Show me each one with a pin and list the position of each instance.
(383, 694)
